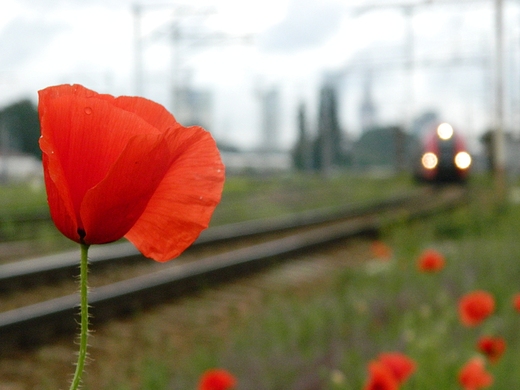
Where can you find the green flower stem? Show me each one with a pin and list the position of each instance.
(84, 318)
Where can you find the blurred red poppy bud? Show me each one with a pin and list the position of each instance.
(399, 364)
(381, 251)
(475, 307)
(431, 261)
(492, 347)
(516, 302)
(217, 379)
(473, 375)
(380, 377)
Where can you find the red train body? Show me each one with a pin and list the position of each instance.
(444, 156)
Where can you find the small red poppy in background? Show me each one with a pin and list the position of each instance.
(381, 251)
(217, 379)
(380, 377)
(124, 166)
(473, 375)
(492, 347)
(516, 302)
(399, 364)
(431, 261)
(475, 307)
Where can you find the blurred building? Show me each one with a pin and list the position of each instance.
(329, 146)
(16, 167)
(194, 107)
(367, 110)
(270, 119)
(238, 162)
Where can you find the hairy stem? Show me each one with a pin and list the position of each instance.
(84, 318)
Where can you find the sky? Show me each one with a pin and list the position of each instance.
(288, 45)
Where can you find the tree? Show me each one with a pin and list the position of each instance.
(20, 123)
(327, 148)
(302, 158)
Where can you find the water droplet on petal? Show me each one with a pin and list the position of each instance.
(88, 110)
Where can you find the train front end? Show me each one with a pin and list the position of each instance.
(445, 157)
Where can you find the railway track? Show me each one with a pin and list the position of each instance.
(276, 240)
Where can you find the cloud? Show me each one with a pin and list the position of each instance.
(23, 38)
(308, 24)
(53, 5)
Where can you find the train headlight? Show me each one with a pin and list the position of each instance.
(445, 131)
(429, 160)
(462, 160)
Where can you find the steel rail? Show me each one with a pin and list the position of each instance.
(50, 268)
(38, 323)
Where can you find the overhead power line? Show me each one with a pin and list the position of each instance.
(174, 34)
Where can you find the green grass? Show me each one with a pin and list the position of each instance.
(244, 198)
(328, 335)
(22, 198)
(20, 203)
(255, 197)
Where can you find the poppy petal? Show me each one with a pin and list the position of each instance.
(153, 113)
(473, 375)
(380, 378)
(61, 209)
(400, 365)
(216, 379)
(182, 205)
(112, 207)
(475, 307)
(83, 135)
(110, 162)
(492, 347)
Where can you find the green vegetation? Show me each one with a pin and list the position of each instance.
(24, 210)
(20, 128)
(327, 333)
(22, 199)
(256, 197)
(24, 215)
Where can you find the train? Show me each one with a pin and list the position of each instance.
(443, 156)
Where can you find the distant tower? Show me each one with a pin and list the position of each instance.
(368, 109)
(270, 111)
(328, 143)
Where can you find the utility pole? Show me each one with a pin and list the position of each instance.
(177, 39)
(4, 150)
(499, 145)
(408, 11)
(410, 68)
(138, 50)
(410, 64)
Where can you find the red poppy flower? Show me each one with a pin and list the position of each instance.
(381, 251)
(492, 347)
(516, 302)
(380, 377)
(476, 307)
(217, 379)
(123, 166)
(473, 375)
(399, 364)
(431, 261)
